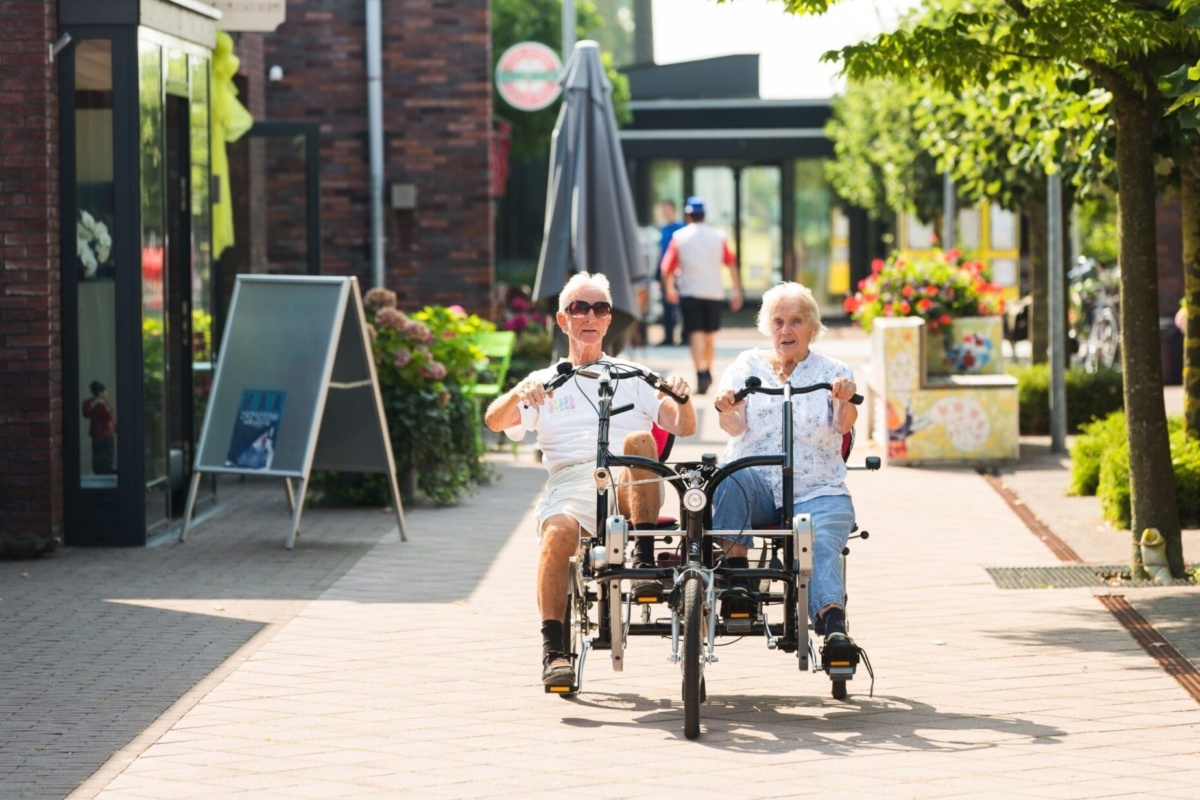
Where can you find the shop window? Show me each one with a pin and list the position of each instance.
(95, 263)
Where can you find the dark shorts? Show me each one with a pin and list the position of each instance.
(700, 316)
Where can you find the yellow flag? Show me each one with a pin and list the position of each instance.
(230, 120)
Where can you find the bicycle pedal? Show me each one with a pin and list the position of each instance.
(647, 593)
(563, 690)
(840, 658)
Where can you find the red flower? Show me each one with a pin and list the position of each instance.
(908, 290)
(876, 266)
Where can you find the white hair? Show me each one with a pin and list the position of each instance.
(790, 290)
(580, 281)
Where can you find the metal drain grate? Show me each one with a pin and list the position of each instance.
(1072, 577)
(1045, 577)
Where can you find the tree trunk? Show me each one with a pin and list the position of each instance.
(1151, 478)
(1189, 191)
(1039, 286)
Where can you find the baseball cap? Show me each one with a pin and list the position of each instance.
(695, 205)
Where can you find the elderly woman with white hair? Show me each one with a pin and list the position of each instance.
(567, 423)
(791, 319)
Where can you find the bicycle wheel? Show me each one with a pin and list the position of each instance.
(693, 664)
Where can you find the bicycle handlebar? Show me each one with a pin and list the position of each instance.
(754, 386)
(617, 371)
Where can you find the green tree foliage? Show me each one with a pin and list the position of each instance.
(516, 21)
(1121, 45)
(880, 164)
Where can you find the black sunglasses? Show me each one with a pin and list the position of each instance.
(580, 308)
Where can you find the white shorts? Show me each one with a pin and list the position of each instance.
(572, 491)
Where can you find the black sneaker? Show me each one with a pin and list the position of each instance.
(703, 381)
(738, 605)
(839, 653)
(557, 673)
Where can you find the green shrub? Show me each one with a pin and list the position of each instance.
(1113, 488)
(1095, 439)
(1100, 466)
(426, 366)
(1090, 395)
(1185, 461)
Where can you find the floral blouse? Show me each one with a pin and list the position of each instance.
(818, 468)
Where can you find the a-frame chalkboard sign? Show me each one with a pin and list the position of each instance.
(295, 390)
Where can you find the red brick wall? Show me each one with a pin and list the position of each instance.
(31, 445)
(437, 120)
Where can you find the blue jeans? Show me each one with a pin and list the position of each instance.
(744, 500)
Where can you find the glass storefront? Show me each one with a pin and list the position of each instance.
(136, 121)
(780, 220)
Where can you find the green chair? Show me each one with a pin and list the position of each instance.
(498, 347)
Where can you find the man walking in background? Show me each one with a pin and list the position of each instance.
(691, 270)
(670, 311)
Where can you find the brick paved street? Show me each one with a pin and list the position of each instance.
(360, 666)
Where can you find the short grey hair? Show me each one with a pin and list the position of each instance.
(583, 280)
(790, 290)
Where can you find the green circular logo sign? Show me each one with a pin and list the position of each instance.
(527, 76)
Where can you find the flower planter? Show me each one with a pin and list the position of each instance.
(967, 417)
(965, 346)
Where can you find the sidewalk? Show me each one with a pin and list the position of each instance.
(360, 666)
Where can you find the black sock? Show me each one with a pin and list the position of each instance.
(835, 620)
(643, 548)
(738, 562)
(552, 637)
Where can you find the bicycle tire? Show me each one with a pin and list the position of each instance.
(693, 665)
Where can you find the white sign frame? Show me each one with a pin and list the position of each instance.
(306, 336)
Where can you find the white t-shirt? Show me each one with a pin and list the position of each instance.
(567, 423)
(818, 468)
(701, 262)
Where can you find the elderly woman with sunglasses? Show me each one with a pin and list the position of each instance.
(567, 425)
(791, 319)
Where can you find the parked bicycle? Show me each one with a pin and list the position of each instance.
(1095, 313)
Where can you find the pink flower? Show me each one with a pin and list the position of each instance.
(401, 357)
(519, 304)
(457, 311)
(434, 370)
(391, 319)
(379, 298)
(418, 331)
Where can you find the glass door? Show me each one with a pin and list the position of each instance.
(761, 246)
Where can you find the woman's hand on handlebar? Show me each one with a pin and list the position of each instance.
(727, 401)
(731, 412)
(843, 389)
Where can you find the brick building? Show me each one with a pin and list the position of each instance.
(109, 290)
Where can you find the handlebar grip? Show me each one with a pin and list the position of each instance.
(758, 388)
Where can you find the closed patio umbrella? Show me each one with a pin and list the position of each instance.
(590, 221)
